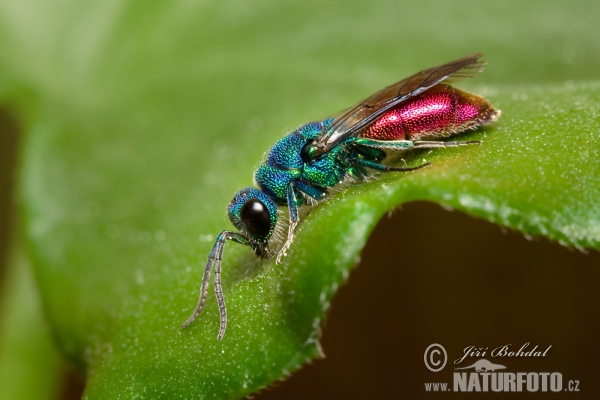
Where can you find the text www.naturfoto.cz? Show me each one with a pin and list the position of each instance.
(436, 386)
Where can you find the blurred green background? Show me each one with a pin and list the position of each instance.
(246, 73)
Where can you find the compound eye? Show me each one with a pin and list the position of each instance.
(255, 216)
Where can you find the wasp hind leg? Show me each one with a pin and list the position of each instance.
(411, 144)
(423, 144)
(402, 145)
(386, 168)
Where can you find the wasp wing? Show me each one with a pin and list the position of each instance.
(352, 121)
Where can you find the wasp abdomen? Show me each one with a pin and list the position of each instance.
(436, 113)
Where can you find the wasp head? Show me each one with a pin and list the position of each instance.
(254, 213)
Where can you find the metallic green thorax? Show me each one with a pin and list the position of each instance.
(285, 165)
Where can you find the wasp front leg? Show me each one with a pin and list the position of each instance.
(308, 192)
(293, 209)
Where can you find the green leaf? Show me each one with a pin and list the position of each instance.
(27, 353)
(145, 118)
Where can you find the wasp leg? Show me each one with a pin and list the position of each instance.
(386, 168)
(310, 191)
(423, 144)
(385, 144)
(409, 144)
(215, 259)
(293, 208)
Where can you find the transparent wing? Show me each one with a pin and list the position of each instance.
(351, 122)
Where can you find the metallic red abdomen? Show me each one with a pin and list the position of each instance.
(436, 113)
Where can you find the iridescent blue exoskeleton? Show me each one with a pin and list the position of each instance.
(302, 166)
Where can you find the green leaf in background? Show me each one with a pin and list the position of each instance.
(26, 337)
(144, 118)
